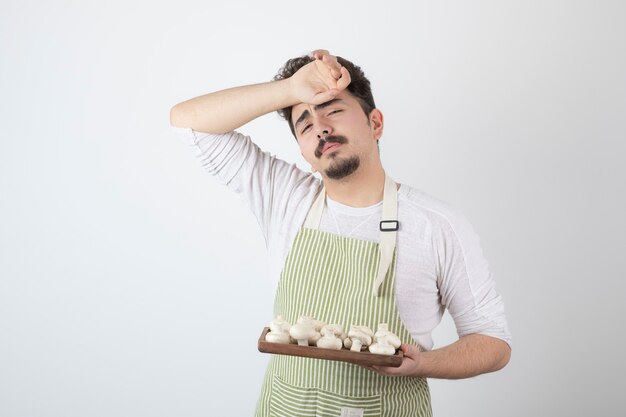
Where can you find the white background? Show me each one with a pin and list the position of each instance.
(123, 264)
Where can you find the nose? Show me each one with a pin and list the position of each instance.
(323, 131)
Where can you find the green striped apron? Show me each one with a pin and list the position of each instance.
(344, 281)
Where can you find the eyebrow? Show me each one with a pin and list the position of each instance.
(317, 107)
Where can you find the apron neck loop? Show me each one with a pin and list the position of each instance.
(388, 226)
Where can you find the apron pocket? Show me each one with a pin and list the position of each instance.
(291, 400)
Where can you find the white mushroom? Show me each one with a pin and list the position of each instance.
(279, 331)
(347, 342)
(360, 336)
(279, 324)
(335, 329)
(332, 337)
(386, 342)
(329, 341)
(383, 333)
(303, 333)
(278, 337)
(316, 324)
(382, 348)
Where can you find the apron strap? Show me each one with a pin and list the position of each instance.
(314, 218)
(388, 229)
(388, 226)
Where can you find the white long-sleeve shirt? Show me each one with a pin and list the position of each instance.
(439, 261)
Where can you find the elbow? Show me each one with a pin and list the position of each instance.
(504, 357)
(181, 117)
(175, 117)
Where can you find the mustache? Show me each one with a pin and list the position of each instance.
(329, 139)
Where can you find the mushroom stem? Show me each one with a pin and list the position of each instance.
(356, 345)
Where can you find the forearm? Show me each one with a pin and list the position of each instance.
(226, 110)
(467, 357)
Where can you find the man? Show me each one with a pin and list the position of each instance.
(356, 248)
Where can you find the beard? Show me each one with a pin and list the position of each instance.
(341, 168)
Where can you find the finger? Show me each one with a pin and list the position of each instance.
(345, 79)
(330, 79)
(325, 96)
(409, 351)
(325, 74)
(332, 62)
(387, 370)
(336, 73)
(319, 53)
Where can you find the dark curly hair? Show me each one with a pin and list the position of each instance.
(359, 85)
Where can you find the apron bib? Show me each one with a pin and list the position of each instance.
(346, 281)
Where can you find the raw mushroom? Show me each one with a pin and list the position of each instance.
(330, 341)
(386, 342)
(313, 323)
(303, 333)
(316, 324)
(359, 336)
(382, 348)
(383, 333)
(277, 337)
(279, 324)
(347, 342)
(279, 331)
(331, 337)
(336, 329)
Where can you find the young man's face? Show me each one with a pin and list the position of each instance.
(351, 135)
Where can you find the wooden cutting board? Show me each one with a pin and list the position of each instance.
(360, 358)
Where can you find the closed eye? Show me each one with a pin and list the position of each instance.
(305, 128)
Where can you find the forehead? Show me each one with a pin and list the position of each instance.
(346, 98)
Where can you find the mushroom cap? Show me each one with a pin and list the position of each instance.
(301, 331)
(316, 324)
(363, 333)
(316, 336)
(277, 337)
(385, 336)
(360, 333)
(335, 329)
(393, 340)
(363, 329)
(382, 349)
(347, 342)
(279, 324)
(329, 342)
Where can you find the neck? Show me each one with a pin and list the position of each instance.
(361, 189)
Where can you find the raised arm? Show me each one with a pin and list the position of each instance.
(226, 110)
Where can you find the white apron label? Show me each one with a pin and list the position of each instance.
(351, 412)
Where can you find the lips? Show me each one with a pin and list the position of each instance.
(328, 144)
(329, 147)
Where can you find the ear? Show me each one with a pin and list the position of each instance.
(377, 123)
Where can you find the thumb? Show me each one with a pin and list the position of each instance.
(410, 351)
